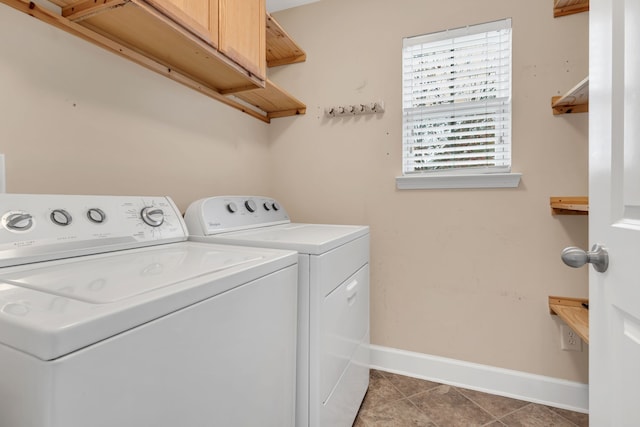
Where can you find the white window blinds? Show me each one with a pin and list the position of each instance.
(457, 100)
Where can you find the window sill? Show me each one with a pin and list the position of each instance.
(489, 180)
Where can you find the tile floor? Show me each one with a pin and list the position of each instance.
(398, 401)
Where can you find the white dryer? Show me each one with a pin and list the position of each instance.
(109, 317)
(333, 297)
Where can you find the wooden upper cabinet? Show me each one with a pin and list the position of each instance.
(193, 15)
(242, 34)
(235, 27)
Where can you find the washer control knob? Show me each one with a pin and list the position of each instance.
(152, 216)
(250, 205)
(60, 217)
(232, 207)
(266, 206)
(276, 206)
(96, 215)
(19, 221)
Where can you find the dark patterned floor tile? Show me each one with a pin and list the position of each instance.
(447, 407)
(498, 406)
(534, 415)
(399, 413)
(380, 391)
(409, 386)
(579, 419)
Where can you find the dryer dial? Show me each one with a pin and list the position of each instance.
(232, 207)
(250, 205)
(152, 216)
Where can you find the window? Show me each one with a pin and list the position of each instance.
(457, 101)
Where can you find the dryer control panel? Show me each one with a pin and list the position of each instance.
(43, 227)
(221, 214)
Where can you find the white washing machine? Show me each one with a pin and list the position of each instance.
(109, 317)
(333, 297)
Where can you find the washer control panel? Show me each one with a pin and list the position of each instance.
(41, 227)
(222, 214)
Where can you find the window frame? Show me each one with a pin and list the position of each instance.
(467, 176)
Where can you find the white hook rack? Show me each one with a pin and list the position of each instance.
(355, 109)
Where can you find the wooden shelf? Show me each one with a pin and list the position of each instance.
(575, 100)
(273, 100)
(573, 313)
(569, 205)
(281, 49)
(138, 32)
(568, 7)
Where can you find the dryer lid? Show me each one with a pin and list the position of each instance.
(314, 239)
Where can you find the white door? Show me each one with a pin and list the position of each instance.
(614, 217)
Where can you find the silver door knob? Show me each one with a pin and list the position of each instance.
(576, 257)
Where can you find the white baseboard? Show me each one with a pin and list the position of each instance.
(550, 391)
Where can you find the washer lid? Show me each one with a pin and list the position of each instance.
(313, 239)
(52, 308)
(125, 275)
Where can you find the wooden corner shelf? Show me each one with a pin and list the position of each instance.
(281, 49)
(273, 100)
(569, 205)
(569, 7)
(573, 313)
(575, 100)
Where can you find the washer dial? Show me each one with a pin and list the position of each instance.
(18, 221)
(96, 215)
(152, 216)
(60, 217)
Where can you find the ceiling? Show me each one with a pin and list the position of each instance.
(276, 5)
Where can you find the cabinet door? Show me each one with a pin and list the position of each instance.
(242, 33)
(193, 15)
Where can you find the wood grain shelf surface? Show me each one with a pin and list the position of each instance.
(573, 313)
(569, 205)
(273, 100)
(576, 100)
(281, 49)
(569, 7)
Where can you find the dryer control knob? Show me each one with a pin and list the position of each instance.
(19, 221)
(276, 206)
(232, 207)
(250, 205)
(152, 216)
(267, 206)
(60, 217)
(96, 215)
